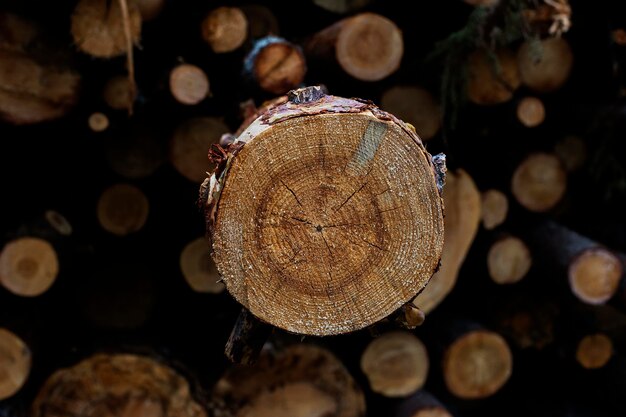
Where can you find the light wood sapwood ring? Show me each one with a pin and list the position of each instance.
(325, 214)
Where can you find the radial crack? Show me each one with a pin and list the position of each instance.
(292, 192)
(350, 196)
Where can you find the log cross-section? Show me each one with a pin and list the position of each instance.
(325, 214)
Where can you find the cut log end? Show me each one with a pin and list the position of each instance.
(190, 145)
(416, 106)
(539, 182)
(477, 365)
(123, 209)
(123, 385)
(546, 68)
(396, 364)
(98, 27)
(225, 29)
(149, 9)
(301, 380)
(369, 47)
(28, 266)
(15, 363)
(494, 208)
(462, 204)
(492, 82)
(508, 260)
(531, 112)
(326, 217)
(594, 275)
(198, 268)
(594, 351)
(58, 222)
(98, 122)
(261, 21)
(276, 65)
(188, 84)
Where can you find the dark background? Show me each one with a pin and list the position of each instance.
(61, 165)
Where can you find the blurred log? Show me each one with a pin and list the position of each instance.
(477, 364)
(36, 84)
(539, 182)
(486, 3)
(261, 21)
(547, 67)
(190, 145)
(15, 363)
(275, 65)
(342, 6)
(572, 152)
(198, 268)
(531, 112)
(118, 93)
(422, 404)
(301, 380)
(462, 217)
(594, 351)
(324, 216)
(594, 272)
(98, 122)
(368, 46)
(188, 84)
(149, 9)
(116, 385)
(494, 208)
(28, 266)
(528, 323)
(413, 105)
(98, 27)
(492, 80)
(136, 152)
(225, 29)
(396, 364)
(123, 209)
(508, 260)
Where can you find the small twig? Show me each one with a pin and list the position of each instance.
(129, 54)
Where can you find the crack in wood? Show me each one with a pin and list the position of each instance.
(292, 192)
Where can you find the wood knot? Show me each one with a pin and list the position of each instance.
(305, 94)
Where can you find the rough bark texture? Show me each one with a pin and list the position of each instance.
(329, 216)
(462, 202)
(299, 381)
(28, 266)
(116, 385)
(15, 362)
(367, 46)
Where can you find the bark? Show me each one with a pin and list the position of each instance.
(247, 339)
